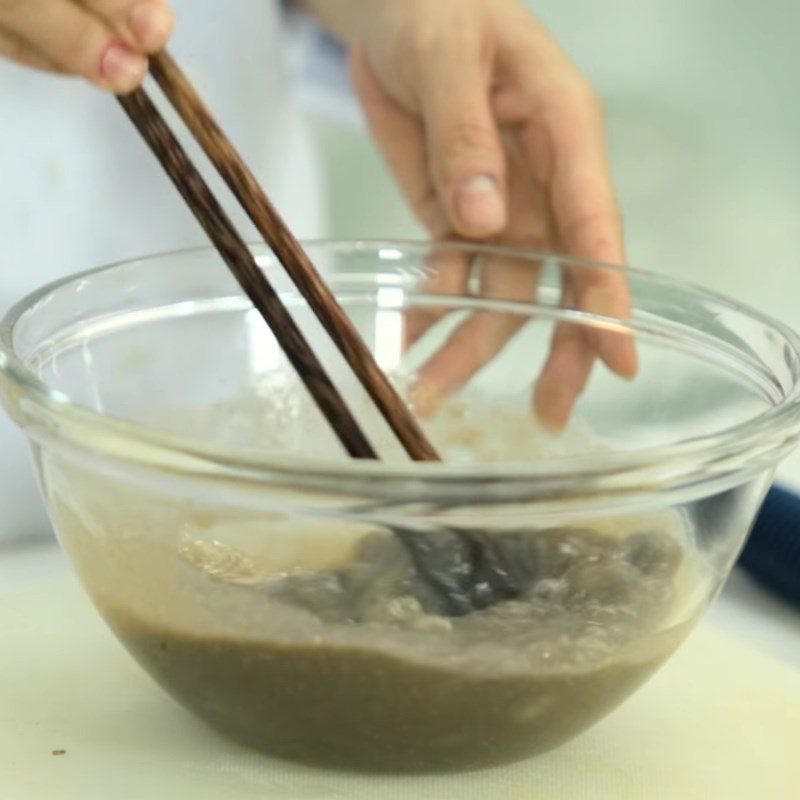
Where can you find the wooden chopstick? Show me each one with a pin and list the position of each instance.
(241, 181)
(216, 223)
(206, 208)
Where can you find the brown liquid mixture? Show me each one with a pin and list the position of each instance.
(318, 640)
(348, 668)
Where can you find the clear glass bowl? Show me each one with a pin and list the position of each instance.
(261, 576)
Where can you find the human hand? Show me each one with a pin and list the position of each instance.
(494, 135)
(104, 41)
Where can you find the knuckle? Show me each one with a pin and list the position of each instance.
(466, 142)
(609, 217)
(424, 40)
(433, 43)
(467, 134)
(597, 231)
(426, 36)
(417, 36)
(576, 104)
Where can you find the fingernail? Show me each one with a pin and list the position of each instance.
(121, 67)
(151, 24)
(480, 206)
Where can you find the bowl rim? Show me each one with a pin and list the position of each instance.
(752, 445)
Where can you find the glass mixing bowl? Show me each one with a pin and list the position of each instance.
(264, 579)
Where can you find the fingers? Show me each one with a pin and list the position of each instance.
(144, 25)
(74, 40)
(566, 371)
(400, 135)
(448, 272)
(16, 49)
(104, 41)
(575, 346)
(564, 376)
(589, 223)
(582, 192)
(606, 293)
(481, 337)
(466, 156)
(545, 182)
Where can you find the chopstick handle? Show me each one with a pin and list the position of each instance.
(211, 216)
(243, 184)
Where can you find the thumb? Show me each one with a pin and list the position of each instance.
(465, 153)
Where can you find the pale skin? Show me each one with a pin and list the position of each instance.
(489, 129)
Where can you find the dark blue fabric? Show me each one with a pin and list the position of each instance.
(772, 553)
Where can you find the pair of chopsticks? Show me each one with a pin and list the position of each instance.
(489, 578)
(240, 260)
